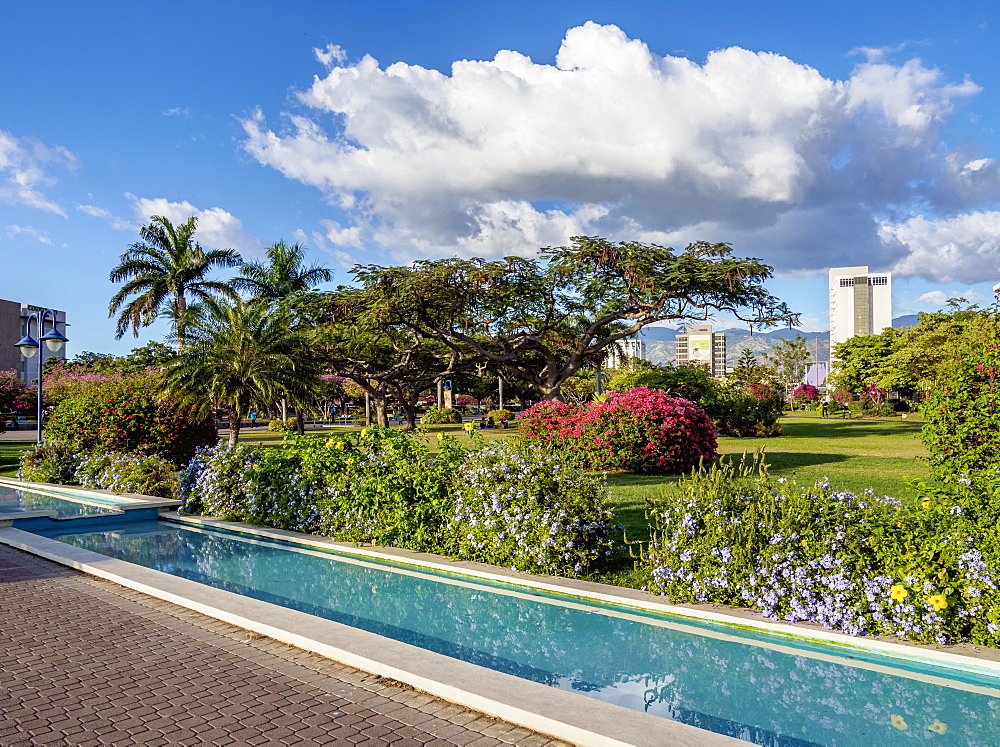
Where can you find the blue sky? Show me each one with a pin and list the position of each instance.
(811, 135)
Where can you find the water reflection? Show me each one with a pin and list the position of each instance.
(18, 500)
(757, 694)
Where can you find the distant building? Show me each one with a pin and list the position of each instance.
(703, 347)
(860, 303)
(618, 355)
(13, 326)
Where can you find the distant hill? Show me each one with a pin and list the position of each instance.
(660, 341)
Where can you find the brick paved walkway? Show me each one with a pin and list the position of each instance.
(86, 662)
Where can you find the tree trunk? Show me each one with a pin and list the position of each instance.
(380, 416)
(300, 424)
(235, 421)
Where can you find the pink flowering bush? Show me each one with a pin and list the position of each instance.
(805, 393)
(639, 430)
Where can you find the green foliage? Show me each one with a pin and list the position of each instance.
(161, 271)
(277, 425)
(433, 415)
(788, 359)
(384, 487)
(283, 277)
(927, 351)
(692, 383)
(753, 410)
(748, 372)
(242, 356)
(54, 461)
(128, 473)
(862, 564)
(127, 415)
(549, 317)
(498, 416)
(864, 361)
(962, 415)
(527, 510)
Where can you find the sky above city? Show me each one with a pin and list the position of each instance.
(808, 135)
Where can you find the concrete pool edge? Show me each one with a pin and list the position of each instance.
(615, 595)
(564, 715)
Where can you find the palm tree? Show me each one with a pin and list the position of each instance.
(161, 272)
(282, 277)
(239, 356)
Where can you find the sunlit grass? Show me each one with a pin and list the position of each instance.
(10, 455)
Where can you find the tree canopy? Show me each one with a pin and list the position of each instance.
(539, 320)
(162, 272)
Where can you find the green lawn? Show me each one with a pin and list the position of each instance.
(853, 454)
(10, 454)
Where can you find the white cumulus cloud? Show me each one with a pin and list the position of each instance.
(505, 155)
(965, 248)
(26, 166)
(217, 228)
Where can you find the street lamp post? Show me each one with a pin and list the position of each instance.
(54, 341)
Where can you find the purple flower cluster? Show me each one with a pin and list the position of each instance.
(861, 564)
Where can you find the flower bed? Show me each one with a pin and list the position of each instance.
(861, 564)
(513, 507)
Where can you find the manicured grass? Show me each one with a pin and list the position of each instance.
(10, 455)
(853, 454)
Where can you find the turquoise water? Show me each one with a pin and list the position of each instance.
(649, 662)
(16, 500)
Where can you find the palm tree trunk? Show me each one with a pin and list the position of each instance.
(235, 421)
(180, 310)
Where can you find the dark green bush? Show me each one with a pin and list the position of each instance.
(126, 416)
(433, 415)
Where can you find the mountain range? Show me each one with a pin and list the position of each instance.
(660, 341)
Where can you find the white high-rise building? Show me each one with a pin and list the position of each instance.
(860, 303)
(618, 355)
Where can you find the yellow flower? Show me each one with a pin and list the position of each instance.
(440, 437)
(926, 502)
(938, 602)
(899, 592)
(898, 722)
(939, 726)
(341, 445)
(351, 460)
(469, 426)
(364, 431)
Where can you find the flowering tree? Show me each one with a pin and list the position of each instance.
(805, 393)
(640, 430)
(14, 393)
(66, 379)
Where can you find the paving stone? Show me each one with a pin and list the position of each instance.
(95, 664)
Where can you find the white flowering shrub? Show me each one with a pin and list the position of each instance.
(512, 507)
(862, 564)
(54, 461)
(523, 508)
(128, 473)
